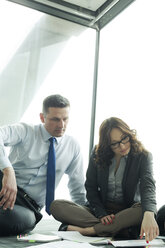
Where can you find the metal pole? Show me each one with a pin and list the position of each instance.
(94, 97)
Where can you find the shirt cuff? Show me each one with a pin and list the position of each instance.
(4, 161)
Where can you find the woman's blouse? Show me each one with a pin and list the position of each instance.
(115, 191)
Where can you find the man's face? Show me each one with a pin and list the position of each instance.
(56, 120)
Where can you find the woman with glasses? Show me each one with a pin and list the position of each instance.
(120, 188)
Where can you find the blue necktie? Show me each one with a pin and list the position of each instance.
(51, 170)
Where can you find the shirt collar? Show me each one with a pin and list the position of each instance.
(46, 135)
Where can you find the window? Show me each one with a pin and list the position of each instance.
(131, 77)
(47, 56)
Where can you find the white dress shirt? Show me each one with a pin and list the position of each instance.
(28, 156)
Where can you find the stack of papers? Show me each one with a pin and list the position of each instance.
(73, 239)
(63, 244)
(77, 237)
(138, 243)
(38, 238)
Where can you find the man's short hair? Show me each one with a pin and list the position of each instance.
(55, 101)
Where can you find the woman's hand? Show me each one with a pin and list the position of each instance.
(149, 226)
(108, 219)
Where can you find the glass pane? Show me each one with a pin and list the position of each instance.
(47, 56)
(131, 77)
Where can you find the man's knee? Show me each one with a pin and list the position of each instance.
(16, 221)
(161, 220)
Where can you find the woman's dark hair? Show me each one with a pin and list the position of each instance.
(103, 151)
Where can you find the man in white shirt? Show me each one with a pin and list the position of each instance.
(23, 173)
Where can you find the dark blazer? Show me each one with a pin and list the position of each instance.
(138, 170)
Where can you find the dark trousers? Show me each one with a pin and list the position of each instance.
(160, 218)
(24, 216)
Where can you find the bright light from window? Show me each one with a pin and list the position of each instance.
(131, 77)
(15, 24)
(71, 76)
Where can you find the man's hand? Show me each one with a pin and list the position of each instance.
(9, 189)
(108, 219)
(149, 227)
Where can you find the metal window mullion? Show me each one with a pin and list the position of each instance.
(94, 97)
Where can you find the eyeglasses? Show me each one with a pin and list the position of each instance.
(124, 140)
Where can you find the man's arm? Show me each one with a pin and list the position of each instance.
(76, 179)
(9, 189)
(9, 136)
